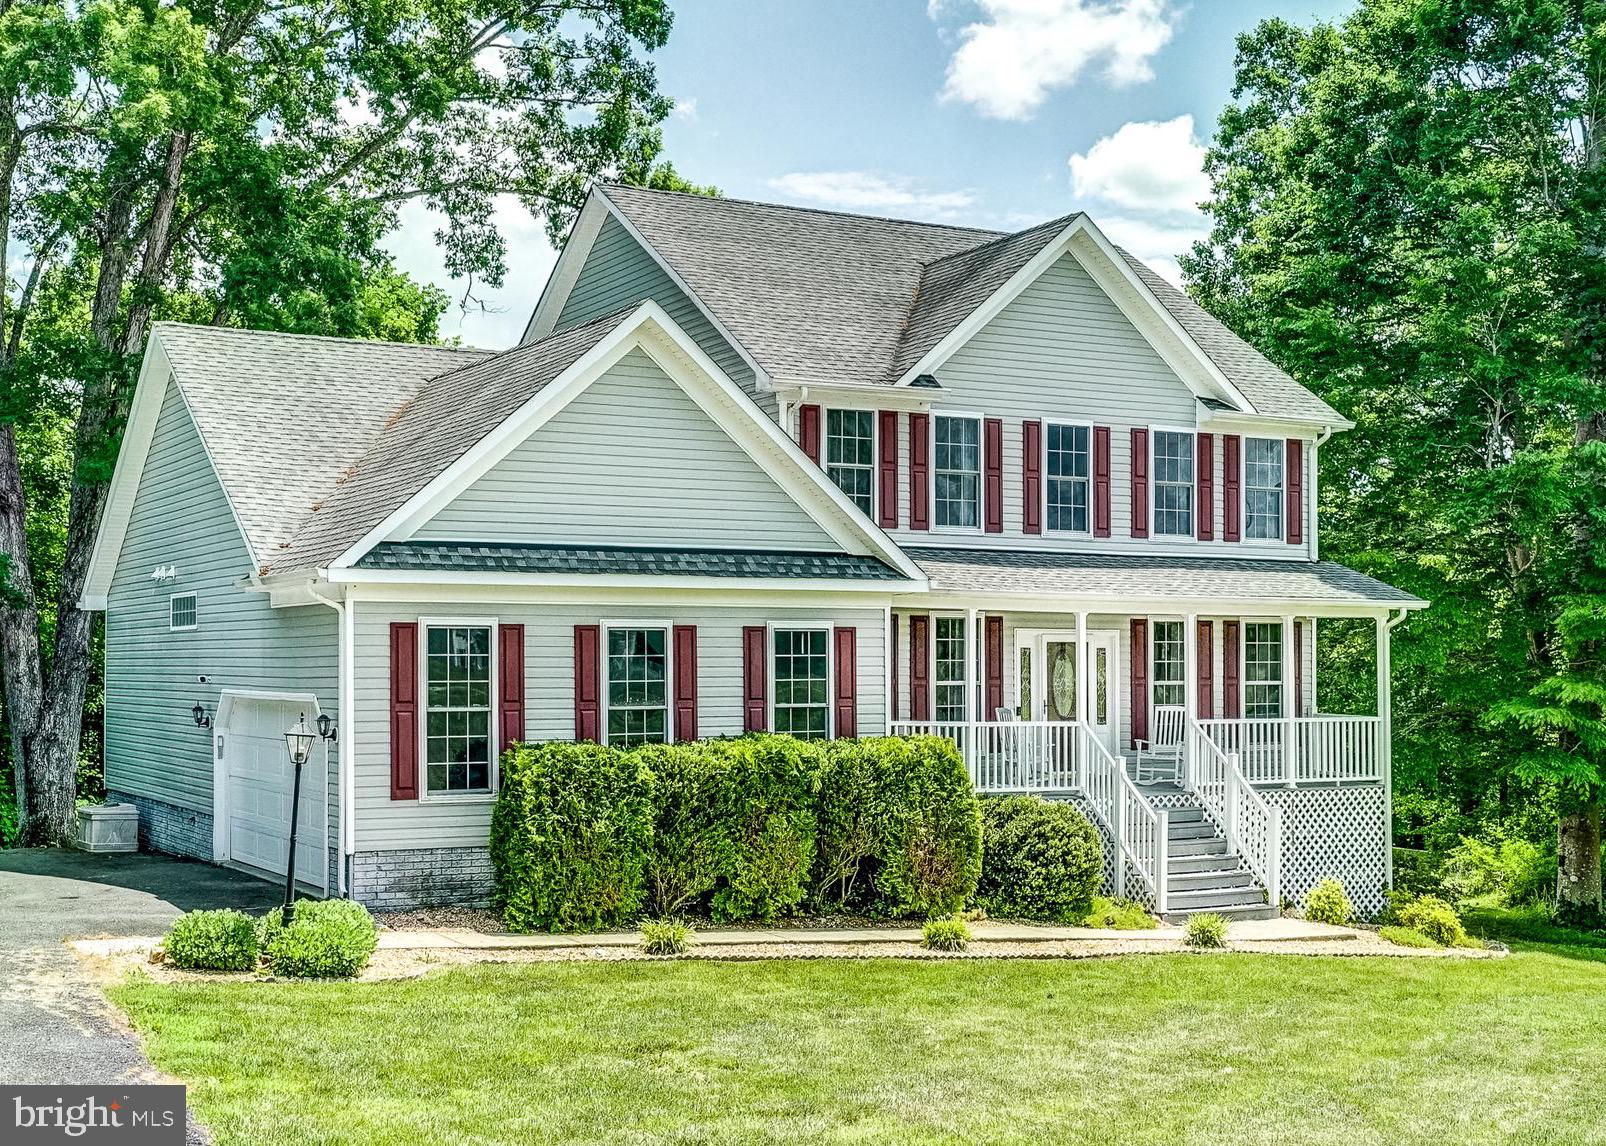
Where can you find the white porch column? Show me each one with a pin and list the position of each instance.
(1290, 705)
(1084, 669)
(972, 667)
(1385, 739)
(1190, 689)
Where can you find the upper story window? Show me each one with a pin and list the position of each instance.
(457, 717)
(956, 470)
(850, 454)
(1069, 485)
(1263, 488)
(1263, 669)
(1173, 483)
(182, 612)
(1167, 664)
(949, 685)
(638, 689)
(802, 683)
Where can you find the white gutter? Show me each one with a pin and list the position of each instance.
(346, 706)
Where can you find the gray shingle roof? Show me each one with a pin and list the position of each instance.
(819, 297)
(282, 415)
(1192, 578)
(445, 555)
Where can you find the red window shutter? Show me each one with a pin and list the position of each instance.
(919, 471)
(510, 683)
(892, 657)
(1294, 484)
(755, 679)
(685, 682)
(808, 431)
(1205, 670)
(403, 710)
(1140, 678)
(1231, 471)
(1299, 669)
(993, 646)
(1231, 703)
(1101, 481)
(992, 436)
(1031, 490)
(920, 667)
(847, 680)
(1205, 481)
(588, 683)
(1140, 482)
(888, 443)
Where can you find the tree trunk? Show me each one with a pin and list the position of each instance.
(1578, 894)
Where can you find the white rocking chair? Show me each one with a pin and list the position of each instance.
(1159, 758)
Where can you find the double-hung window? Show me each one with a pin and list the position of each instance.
(1263, 669)
(1173, 483)
(850, 454)
(457, 718)
(949, 675)
(638, 685)
(1069, 483)
(1263, 488)
(802, 683)
(1167, 664)
(956, 471)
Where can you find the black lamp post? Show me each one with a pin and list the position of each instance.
(299, 741)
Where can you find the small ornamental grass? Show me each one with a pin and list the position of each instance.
(213, 941)
(1205, 931)
(945, 935)
(327, 939)
(1119, 915)
(1327, 903)
(666, 937)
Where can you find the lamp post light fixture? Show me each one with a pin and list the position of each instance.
(298, 740)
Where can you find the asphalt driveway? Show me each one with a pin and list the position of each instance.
(57, 1026)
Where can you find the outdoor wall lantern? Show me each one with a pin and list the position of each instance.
(327, 729)
(202, 718)
(298, 740)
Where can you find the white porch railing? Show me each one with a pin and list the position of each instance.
(1302, 750)
(1252, 825)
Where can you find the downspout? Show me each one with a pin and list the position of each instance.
(346, 706)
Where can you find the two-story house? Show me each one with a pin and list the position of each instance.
(751, 467)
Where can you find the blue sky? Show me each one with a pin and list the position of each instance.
(995, 113)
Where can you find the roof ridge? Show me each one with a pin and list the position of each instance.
(605, 184)
(568, 331)
(295, 334)
(1003, 237)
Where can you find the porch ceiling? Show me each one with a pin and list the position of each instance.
(1112, 576)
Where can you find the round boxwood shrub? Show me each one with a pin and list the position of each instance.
(213, 941)
(1327, 903)
(1041, 860)
(325, 939)
(1434, 918)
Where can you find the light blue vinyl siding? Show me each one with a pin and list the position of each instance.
(619, 272)
(383, 823)
(181, 518)
(630, 461)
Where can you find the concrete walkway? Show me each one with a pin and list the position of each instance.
(1248, 931)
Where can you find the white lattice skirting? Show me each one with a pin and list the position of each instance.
(1341, 832)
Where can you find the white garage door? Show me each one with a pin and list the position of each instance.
(259, 776)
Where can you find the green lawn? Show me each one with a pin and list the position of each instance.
(1207, 1048)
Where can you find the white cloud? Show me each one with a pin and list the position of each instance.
(686, 109)
(1151, 167)
(1157, 244)
(1008, 62)
(866, 191)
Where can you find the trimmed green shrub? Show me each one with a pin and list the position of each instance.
(690, 841)
(1205, 930)
(1405, 937)
(326, 939)
(945, 935)
(570, 835)
(1041, 860)
(769, 805)
(1119, 915)
(212, 941)
(1327, 903)
(666, 937)
(1433, 917)
(899, 830)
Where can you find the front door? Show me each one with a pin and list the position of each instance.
(1046, 666)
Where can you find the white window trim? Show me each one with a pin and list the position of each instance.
(1043, 470)
(830, 670)
(1154, 483)
(875, 454)
(669, 673)
(1154, 681)
(190, 628)
(931, 667)
(1243, 667)
(425, 795)
(981, 472)
(1243, 492)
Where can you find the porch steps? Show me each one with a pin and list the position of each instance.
(1202, 874)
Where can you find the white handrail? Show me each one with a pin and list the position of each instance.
(1331, 749)
(1138, 829)
(1253, 826)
